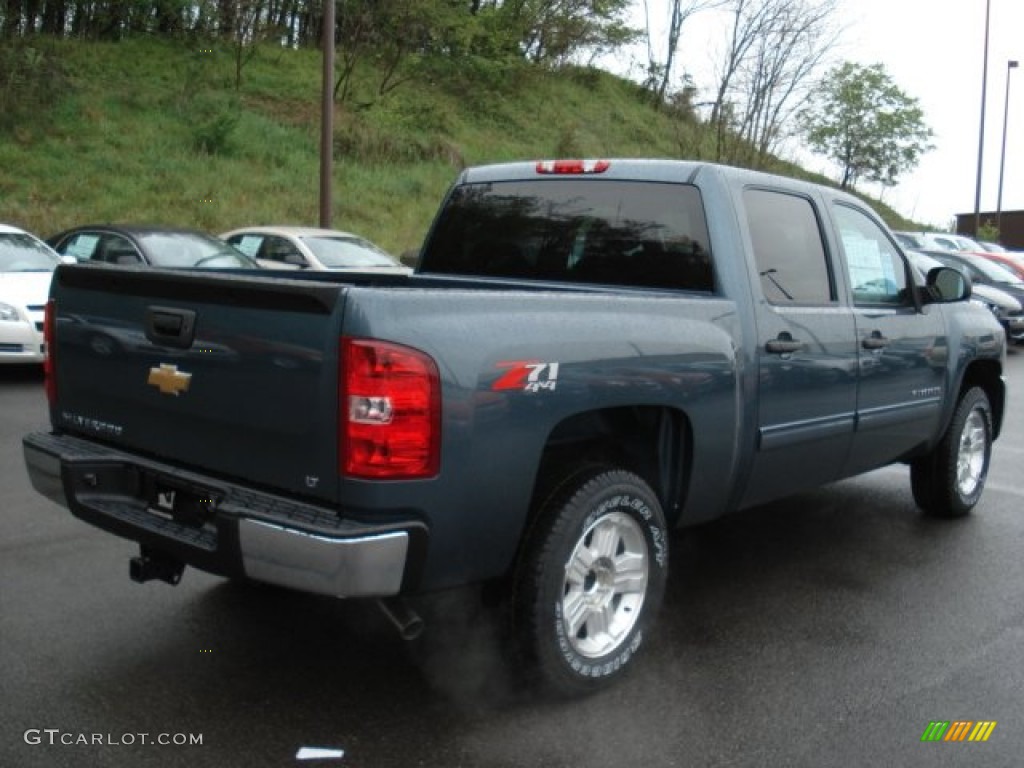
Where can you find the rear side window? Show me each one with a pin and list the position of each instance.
(580, 230)
(788, 248)
(82, 246)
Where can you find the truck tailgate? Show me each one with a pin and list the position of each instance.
(235, 375)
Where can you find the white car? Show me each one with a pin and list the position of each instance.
(938, 241)
(312, 248)
(26, 268)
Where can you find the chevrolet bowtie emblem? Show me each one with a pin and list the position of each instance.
(169, 380)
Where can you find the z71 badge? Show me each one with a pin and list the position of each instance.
(527, 375)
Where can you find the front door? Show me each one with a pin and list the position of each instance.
(902, 348)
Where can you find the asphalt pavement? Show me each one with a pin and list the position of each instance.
(829, 629)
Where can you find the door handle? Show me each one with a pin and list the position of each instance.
(875, 341)
(170, 327)
(784, 345)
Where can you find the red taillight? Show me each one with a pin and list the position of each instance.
(49, 339)
(390, 411)
(572, 166)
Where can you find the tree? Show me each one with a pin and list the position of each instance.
(679, 11)
(861, 120)
(750, 22)
(553, 31)
(775, 78)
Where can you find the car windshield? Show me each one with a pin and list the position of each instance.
(994, 272)
(966, 244)
(191, 249)
(993, 247)
(23, 253)
(348, 252)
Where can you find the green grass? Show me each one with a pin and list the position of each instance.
(154, 131)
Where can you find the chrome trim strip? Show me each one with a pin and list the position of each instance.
(793, 433)
(888, 415)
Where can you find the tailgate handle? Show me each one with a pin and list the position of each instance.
(170, 327)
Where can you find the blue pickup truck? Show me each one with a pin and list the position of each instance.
(589, 354)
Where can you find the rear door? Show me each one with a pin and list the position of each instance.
(806, 353)
(233, 375)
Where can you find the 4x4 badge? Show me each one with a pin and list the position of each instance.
(169, 380)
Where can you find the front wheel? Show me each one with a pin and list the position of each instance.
(590, 580)
(949, 481)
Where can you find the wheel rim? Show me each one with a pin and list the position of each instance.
(971, 455)
(605, 584)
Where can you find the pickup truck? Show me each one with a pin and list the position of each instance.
(589, 354)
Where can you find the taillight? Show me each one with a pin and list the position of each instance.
(49, 339)
(572, 166)
(390, 411)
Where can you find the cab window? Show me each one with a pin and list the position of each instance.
(625, 233)
(877, 272)
(788, 248)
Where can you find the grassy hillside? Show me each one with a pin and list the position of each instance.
(157, 132)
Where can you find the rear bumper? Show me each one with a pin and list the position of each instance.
(221, 527)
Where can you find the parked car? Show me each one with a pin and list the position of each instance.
(150, 246)
(1008, 310)
(941, 241)
(997, 248)
(26, 268)
(983, 272)
(992, 247)
(910, 240)
(1007, 260)
(312, 248)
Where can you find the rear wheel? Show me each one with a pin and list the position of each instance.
(590, 580)
(949, 481)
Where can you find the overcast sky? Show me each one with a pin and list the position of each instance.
(932, 49)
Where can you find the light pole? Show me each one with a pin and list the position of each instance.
(327, 118)
(1010, 66)
(981, 129)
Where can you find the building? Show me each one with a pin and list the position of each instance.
(1011, 229)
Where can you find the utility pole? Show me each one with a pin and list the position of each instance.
(981, 130)
(1010, 66)
(327, 118)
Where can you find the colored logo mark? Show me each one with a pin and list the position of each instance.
(958, 730)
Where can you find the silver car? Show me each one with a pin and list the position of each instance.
(312, 248)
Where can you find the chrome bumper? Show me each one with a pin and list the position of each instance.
(250, 533)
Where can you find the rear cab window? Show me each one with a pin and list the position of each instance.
(624, 233)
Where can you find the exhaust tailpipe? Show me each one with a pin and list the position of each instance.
(400, 613)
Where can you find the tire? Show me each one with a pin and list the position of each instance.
(949, 481)
(590, 580)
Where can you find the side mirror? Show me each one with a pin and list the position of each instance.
(946, 284)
